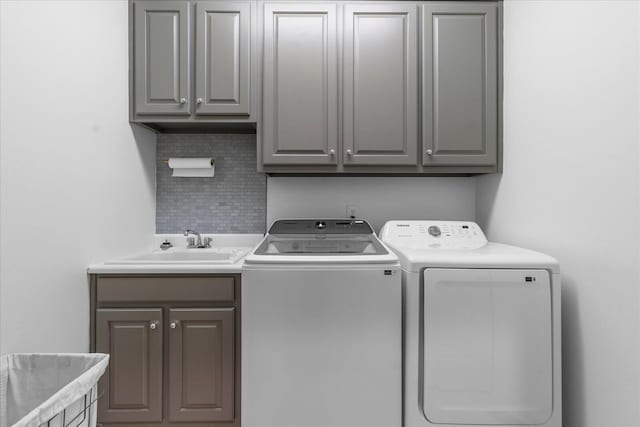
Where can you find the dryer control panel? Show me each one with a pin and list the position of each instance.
(433, 234)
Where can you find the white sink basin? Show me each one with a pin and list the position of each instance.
(187, 256)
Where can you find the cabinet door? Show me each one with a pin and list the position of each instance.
(380, 84)
(201, 364)
(460, 84)
(161, 52)
(132, 384)
(223, 34)
(300, 84)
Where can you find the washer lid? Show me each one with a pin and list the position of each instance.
(320, 227)
(321, 245)
(311, 241)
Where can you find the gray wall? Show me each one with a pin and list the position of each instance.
(233, 201)
(83, 180)
(378, 199)
(571, 187)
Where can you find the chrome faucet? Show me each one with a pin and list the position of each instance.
(192, 243)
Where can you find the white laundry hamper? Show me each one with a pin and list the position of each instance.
(53, 390)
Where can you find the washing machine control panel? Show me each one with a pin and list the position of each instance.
(433, 234)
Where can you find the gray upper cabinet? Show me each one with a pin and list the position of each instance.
(460, 84)
(300, 78)
(418, 87)
(223, 33)
(161, 45)
(380, 84)
(329, 86)
(191, 64)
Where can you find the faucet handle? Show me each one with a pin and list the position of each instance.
(207, 242)
(191, 242)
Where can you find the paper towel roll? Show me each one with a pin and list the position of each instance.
(192, 166)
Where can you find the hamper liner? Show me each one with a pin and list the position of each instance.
(50, 389)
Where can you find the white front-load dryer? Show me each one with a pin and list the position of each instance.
(481, 328)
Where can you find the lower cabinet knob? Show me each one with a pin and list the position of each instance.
(153, 325)
(429, 153)
(199, 101)
(332, 152)
(349, 152)
(183, 101)
(173, 325)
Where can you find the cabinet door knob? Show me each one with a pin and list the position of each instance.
(199, 101)
(429, 152)
(173, 324)
(153, 324)
(349, 153)
(332, 152)
(183, 101)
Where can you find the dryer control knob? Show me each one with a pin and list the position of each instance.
(434, 230)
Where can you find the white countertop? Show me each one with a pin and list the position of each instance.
(235, 268)
(237, 241)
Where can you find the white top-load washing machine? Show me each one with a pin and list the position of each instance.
(482, 328)
(321, 328)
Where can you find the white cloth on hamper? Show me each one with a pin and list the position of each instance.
(36, 387)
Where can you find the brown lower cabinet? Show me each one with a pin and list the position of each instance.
(175, 349)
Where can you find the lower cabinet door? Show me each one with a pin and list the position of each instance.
(201, 364)
(132, 384)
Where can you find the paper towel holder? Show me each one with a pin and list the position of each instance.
(166, 162)
(192, 167)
